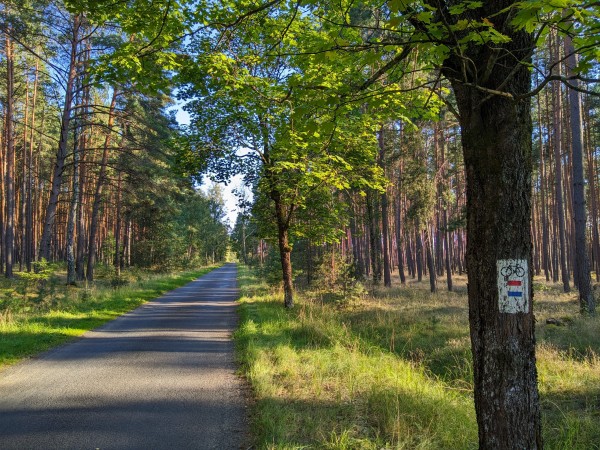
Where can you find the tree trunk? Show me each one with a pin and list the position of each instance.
(593, 195)
(61, 154)
(496, 138)
(28, 243)
(285, 250)
(543, 194)
(71, 274)
(117, 260)
(85, 137)
(447, 249)
(9, 178)
(560, 209)
(399, 242)
(374, 238)
(419, 250)
(99, 187)
(582, 265)
(387, 273)
(430, 261)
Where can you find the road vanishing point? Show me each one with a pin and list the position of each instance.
(159, 377)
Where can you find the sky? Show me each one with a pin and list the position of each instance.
(230, 200)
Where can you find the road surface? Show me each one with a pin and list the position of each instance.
(159, 377)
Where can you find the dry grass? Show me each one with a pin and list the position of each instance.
(394, 370)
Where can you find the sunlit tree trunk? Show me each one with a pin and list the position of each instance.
(95, 217)
(61, 154)
(582, 266)
(9, 177)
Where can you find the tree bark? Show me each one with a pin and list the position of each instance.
(9, 177)
(447, 249)
(117, 260)
(560, 209)
(399, 241)
(387, 273)
(374, 238)
(430, 261)
(99, 187)
(61, 154)
(496, 139)
(28, 243)
(71, 274)
(419, 250)
(285, 250)
(543, 194)
(582, 265)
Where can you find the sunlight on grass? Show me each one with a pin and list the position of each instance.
(394, 370)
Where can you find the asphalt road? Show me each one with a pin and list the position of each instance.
(159, 377)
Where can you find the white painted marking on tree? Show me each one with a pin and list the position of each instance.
(513, 286)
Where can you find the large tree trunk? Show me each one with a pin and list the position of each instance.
(582, 265)
(61, 154)
(496, 138)
(497, 149)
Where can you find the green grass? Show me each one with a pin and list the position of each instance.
(67, 312)
(394, 370)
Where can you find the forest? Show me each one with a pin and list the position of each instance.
(384, 147)
(89, 163)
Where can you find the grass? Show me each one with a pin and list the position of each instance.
(393, 370)
(44, 315)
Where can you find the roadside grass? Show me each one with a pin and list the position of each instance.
(393, 370)
(38, 315)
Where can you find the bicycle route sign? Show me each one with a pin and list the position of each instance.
(513, 286)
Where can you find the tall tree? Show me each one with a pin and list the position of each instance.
(582, 266)
(62, 151)
(100, 183)
(9, 175)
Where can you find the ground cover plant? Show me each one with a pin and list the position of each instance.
(393, 369)
(39, 311)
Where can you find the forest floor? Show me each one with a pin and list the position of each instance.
(39, 311)
(393, 369)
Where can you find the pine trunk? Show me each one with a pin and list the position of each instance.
(61, 154)
(92, 245)
(582, 266)
(9, 177)
(558, 186)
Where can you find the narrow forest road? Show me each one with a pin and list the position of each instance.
(159, 377)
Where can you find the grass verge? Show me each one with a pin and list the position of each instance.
(68, 312)
(394, 371)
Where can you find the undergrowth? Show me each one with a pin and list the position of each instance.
(393, 370)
